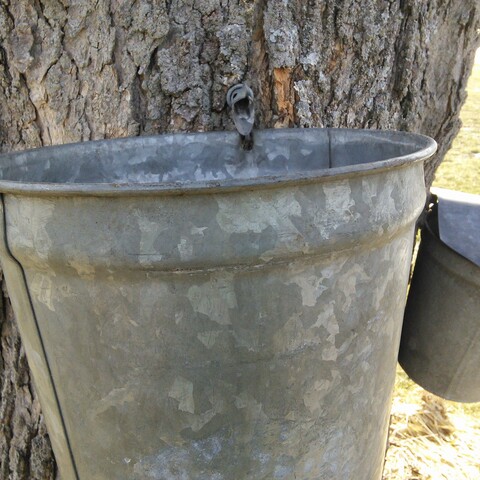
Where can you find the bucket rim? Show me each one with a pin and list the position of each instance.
(427, 147)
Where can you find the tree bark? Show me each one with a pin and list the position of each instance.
(90, 69)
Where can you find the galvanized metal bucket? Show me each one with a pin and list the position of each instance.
(191, 310)
(440, 348)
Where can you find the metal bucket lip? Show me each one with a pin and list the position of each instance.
(457, 221)
(426, 148)
(445, 256)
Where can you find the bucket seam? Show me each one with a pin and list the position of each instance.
(25, 284)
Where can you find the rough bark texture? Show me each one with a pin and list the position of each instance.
(89, 69)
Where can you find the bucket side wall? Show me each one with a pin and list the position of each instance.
(229, 374)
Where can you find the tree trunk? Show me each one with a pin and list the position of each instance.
(90, 69)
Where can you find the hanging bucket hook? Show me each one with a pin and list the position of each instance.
(240, 100)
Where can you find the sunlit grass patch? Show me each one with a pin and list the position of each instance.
(430, 438)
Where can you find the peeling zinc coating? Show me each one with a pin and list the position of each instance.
(242, 329)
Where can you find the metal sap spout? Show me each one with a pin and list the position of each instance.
(240, 100)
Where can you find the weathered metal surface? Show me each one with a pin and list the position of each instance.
(244, 327)
(440, 348)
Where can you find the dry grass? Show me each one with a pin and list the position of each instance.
(430, 438)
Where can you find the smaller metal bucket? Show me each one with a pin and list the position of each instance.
(440, 346)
